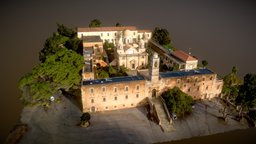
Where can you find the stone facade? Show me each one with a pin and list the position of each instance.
(132, 91)
(132, 49)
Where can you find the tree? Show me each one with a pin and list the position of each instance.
(118, 24)
(95, 23)
(161, 36)
(100, 74)
(247, 93)
(85, 118)
(112, 71)
(204, 63)
(60, 71)
(52, 45)
(63, 38)
(231, 85)
(65, 31)
(178, 101)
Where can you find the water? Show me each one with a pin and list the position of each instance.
(222, 32)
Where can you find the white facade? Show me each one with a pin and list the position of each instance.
(131, 34)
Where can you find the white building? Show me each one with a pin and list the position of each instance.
(131, 34)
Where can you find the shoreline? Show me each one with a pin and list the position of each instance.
(119, 126)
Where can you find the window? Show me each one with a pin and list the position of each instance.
(137, 87)
(187, 80)
(198, 88)
(115, 89)
(104, 99)
(115, 98)
(92, 100)
(133, 33)
(115, 34)
(106, 107)
(101, 34)
(178, 81)
(126, 97)
(203, 79)
(184, 85)
(137, 95)
(103, 89)
(123, 105)
(126, 88)
(211, 78)
(114, 106)
(131, 104)
(91, 90)
(196, 80)
(108, 34)
(206, 88)
(189, 90)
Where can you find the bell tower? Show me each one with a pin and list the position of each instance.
(154, 68)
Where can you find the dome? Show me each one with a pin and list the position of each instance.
(127, 33)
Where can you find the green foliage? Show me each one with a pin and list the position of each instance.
(111, 71)
(204, 63)
(65, 31)
(60, 71)
(108, 45)
(85, 117)
(109, 48)
(247, 92)
(169, 46)
(178, 101)
(118, 24)
(74, 44)
(95, 23)
(100, 74)
(231, 85)
(161, 36)
(63, 38)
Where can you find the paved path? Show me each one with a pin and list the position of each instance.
(58, 125)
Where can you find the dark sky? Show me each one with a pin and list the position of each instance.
(220, 31)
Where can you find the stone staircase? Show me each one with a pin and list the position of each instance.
(165, 124)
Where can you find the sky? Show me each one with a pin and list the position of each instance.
(221, 31)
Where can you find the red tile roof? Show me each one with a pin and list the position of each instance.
(93, 29)
(183, 56)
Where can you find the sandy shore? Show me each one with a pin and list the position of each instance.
(59, 125)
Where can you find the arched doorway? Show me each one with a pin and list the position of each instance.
(154, 93)
(93, 109)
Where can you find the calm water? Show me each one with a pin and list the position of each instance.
(222, 32)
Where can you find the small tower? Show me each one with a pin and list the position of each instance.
(154, 68)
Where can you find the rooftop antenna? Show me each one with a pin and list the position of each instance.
(189, 51)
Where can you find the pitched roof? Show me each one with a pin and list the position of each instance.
(93, 29)
(183, 56)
